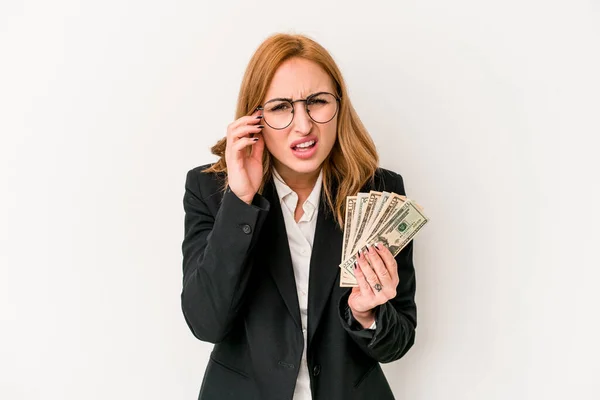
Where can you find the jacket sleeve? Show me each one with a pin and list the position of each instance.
(396, 320)
(216, 262)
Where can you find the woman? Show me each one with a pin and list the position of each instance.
(263, 240)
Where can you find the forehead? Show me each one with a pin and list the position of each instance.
(296, 78)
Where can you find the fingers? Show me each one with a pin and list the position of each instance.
(242, 143)
(378, 265)
(245, 125)
(247, 119)
(389, 261)
(374, 276)
(365, 288)
(258, 148)
(244, 130)
(240, 135)
(369, 273)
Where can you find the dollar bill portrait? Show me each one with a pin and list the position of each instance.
(266, 227)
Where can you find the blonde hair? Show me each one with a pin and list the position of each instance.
(353, 159)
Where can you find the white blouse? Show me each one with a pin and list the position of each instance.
(300, 236)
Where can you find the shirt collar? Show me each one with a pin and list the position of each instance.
(312, 202)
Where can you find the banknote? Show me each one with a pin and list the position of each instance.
(347, 280)
(377, 209)
(394, 202)
(398, 221)
(367, 213)
(349, 217)
(401, 229)
(361, 202)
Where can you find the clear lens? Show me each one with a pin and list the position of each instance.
(322, 107)
(278, 114)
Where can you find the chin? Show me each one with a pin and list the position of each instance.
(304, 167)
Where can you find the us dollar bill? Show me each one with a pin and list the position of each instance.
(405, 222)
(347, 280)
(361, 202)
(377, 209)
(364, 219)
(349, 217)
(395, 201)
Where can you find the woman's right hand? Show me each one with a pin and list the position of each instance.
(244, 170)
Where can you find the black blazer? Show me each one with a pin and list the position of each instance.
(239, 292)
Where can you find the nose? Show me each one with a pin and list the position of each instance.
(302, 123)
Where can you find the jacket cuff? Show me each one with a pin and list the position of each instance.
(351, 325)
(259, 203)
(240, 221)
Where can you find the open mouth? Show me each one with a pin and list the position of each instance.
(305, 146)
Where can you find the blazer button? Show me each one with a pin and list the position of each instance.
(317, 370)
(247, 229)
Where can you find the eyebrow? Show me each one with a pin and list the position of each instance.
(290, 100)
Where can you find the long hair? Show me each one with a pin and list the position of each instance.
(353, 159)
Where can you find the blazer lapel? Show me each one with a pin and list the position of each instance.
(280, 259)
(324, 264)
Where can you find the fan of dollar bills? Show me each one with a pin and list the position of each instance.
(377, 217)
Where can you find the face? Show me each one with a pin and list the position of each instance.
(300, 148)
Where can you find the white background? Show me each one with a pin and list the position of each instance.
(488, 109)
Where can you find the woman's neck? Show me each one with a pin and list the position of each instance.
(301, 183)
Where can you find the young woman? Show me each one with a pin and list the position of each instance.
(263, 242)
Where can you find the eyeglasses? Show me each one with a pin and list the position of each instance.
(321, 107)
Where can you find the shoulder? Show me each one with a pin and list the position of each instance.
(389, 181)
(207, 184)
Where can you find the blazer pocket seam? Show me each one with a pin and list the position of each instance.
(360, 380)
(232, 369)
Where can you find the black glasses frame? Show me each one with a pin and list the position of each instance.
(337, 108)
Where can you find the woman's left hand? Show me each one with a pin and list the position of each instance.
(377, 274)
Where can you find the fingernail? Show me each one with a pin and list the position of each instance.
(261, 126)
(259, 117)
(255, 139)
(376, 246)
(355, 264)
(359, 251)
